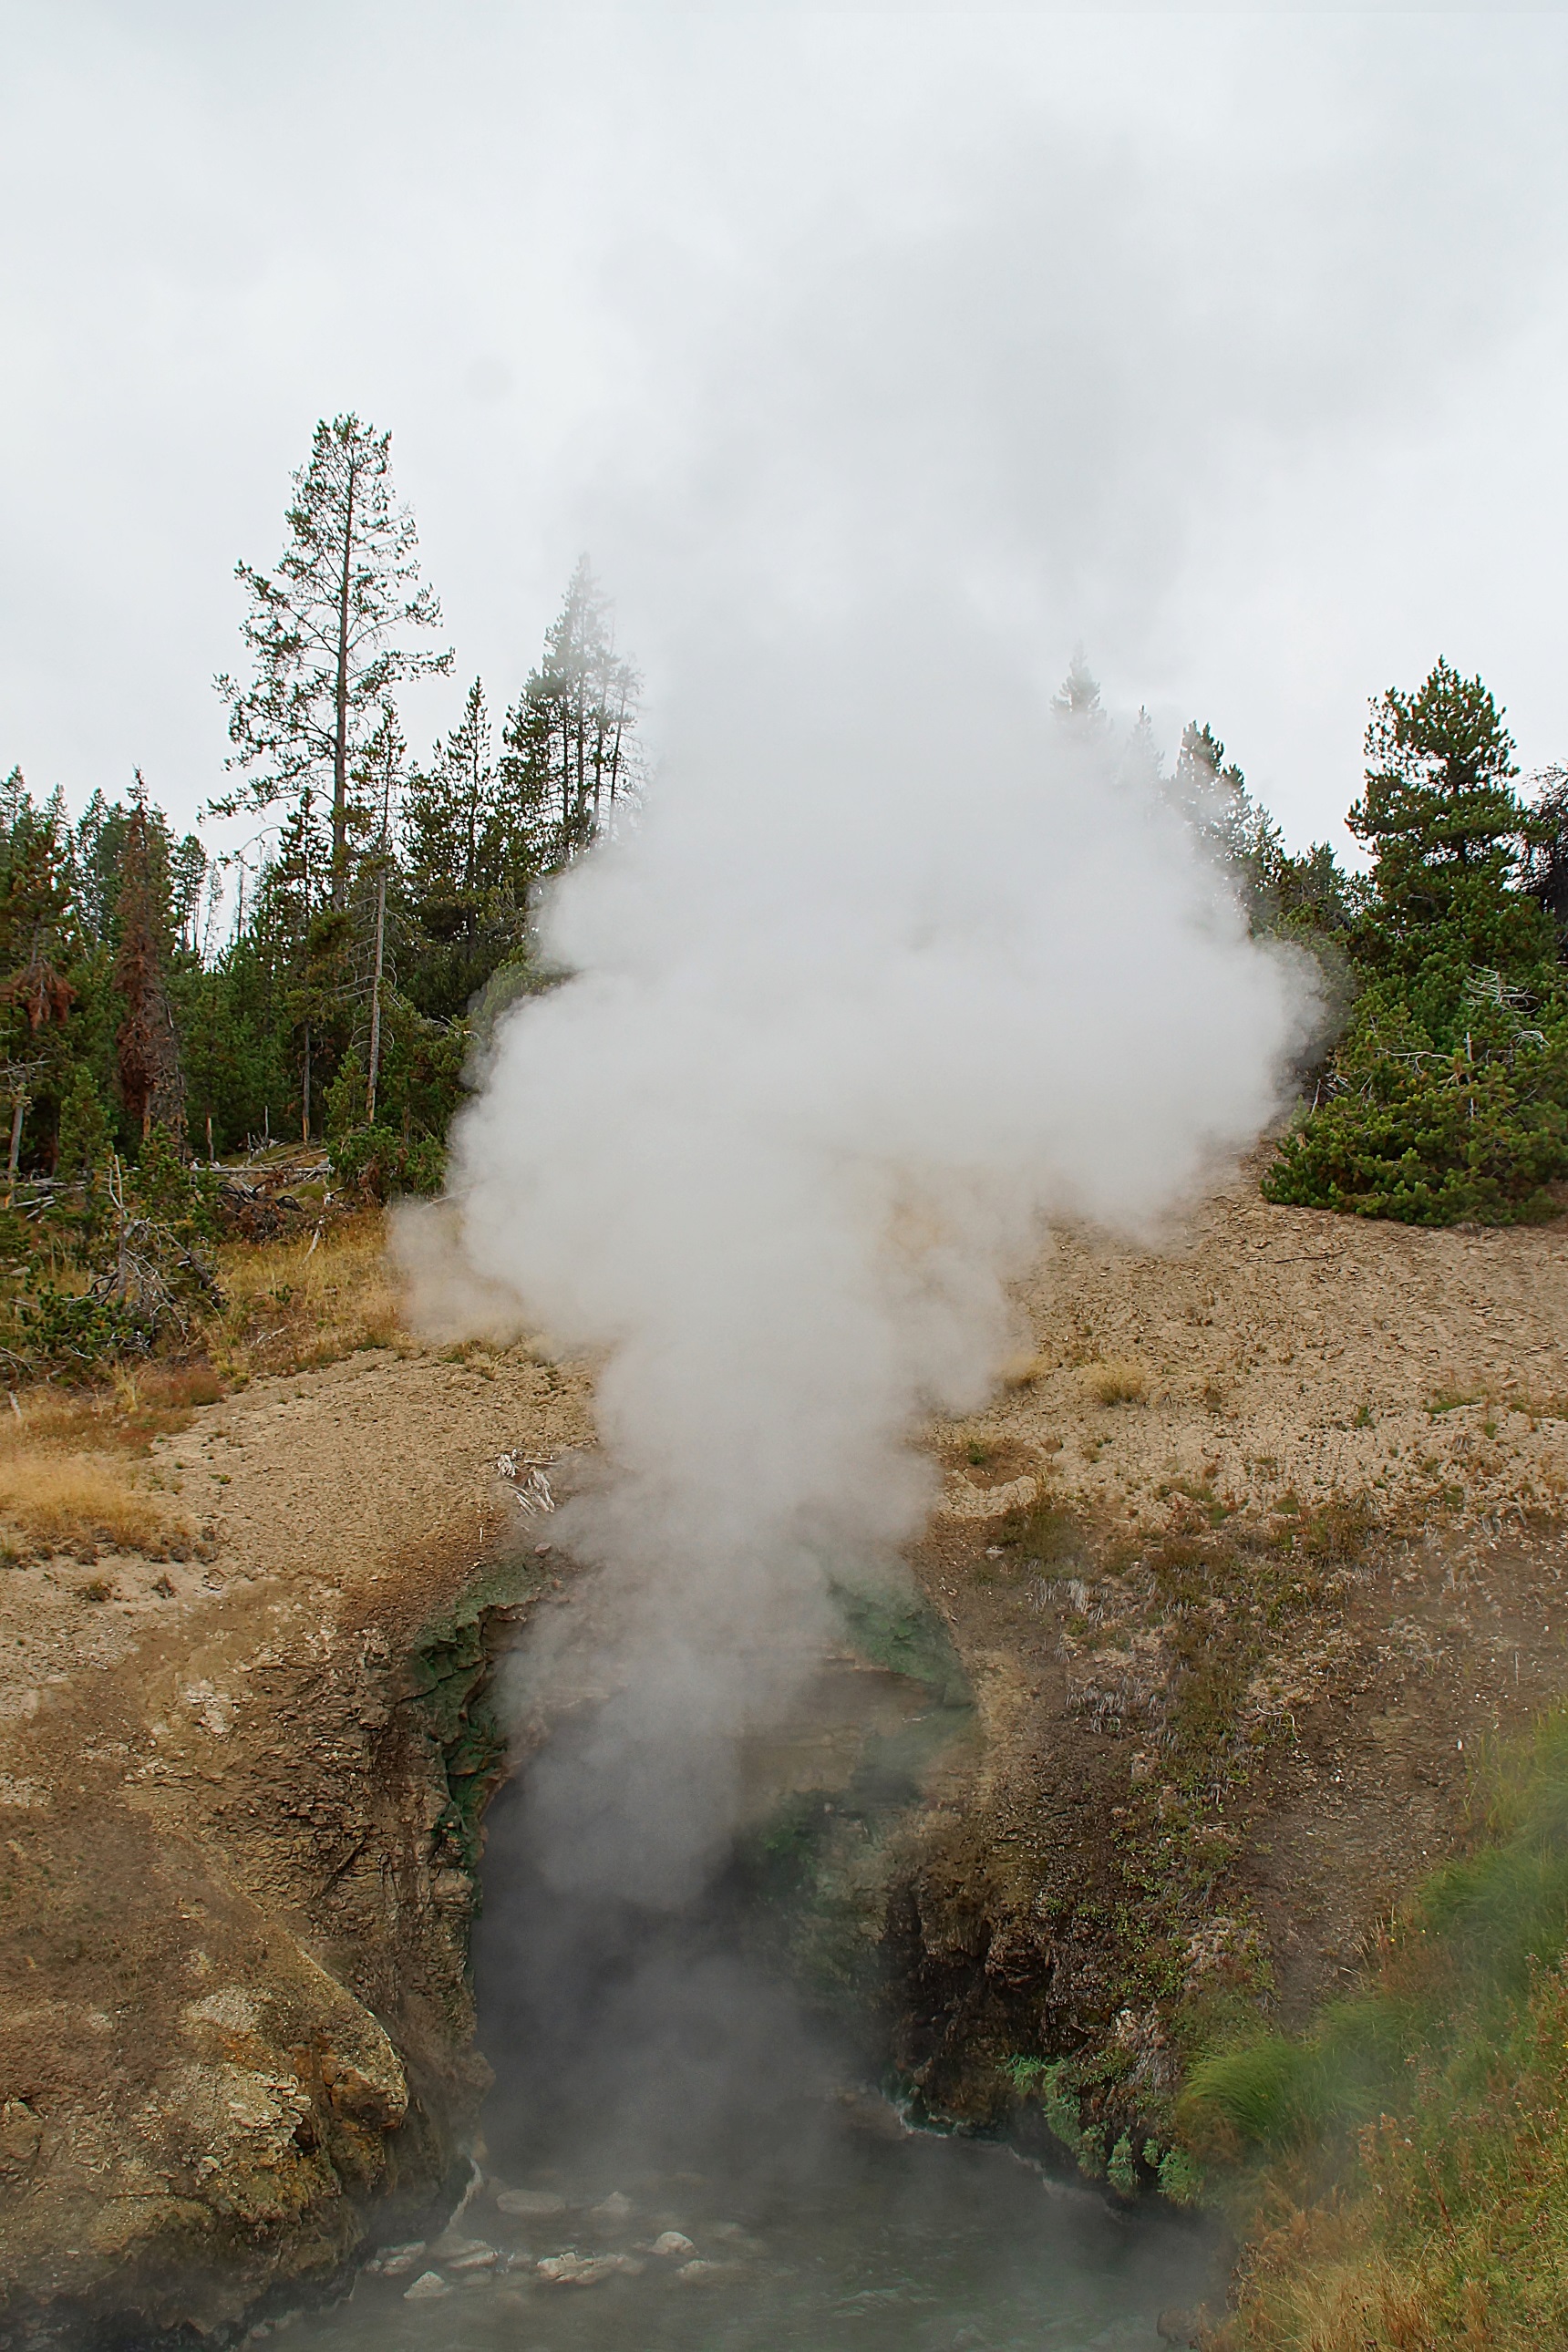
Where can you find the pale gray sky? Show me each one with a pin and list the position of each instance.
(1231, 345)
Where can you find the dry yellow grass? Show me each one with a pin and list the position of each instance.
(66, 1501)
(1116, 1380)
(140, 1402)
(289, 1305)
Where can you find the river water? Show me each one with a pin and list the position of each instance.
(702, 2164)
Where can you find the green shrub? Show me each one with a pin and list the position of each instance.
(73, 1330)
(1430, 1151)
(380, 1163)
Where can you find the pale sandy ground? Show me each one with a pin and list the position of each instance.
(1290, 1352)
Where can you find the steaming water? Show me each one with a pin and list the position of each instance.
(928, 2247)
(655, 2073)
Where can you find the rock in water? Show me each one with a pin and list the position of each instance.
(613, 2214)
(669, 2244)
(426, 2288)
(535, 2204)
(578, 2270)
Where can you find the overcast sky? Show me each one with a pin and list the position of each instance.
(1232, 346)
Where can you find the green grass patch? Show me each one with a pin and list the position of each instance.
(1404, 2164)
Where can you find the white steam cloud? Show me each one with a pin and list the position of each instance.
(896, 968)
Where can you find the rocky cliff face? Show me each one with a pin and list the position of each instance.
(236, 1870)
(1257, 1551)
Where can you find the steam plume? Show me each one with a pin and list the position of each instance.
(898, 966)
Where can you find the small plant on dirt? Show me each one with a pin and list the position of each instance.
(61, 1502)
(1116, 1380)
(1045, 1536)
(1200, 1491)
(1451, 1399)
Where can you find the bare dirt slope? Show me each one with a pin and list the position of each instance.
(1226, 1634)
(1242, 1635)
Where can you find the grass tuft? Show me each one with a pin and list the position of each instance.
(1117, 1381)
(66, 1502)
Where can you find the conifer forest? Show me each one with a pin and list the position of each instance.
(327, 984)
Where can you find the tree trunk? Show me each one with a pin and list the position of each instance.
(340, 724)
(375, 998)
(305, 1090)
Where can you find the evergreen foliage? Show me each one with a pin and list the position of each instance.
(1447, 1098)
(329, 632)
(147, 1048)
(569, 757)
(379, 924)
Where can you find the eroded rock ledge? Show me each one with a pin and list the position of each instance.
(236, 1884)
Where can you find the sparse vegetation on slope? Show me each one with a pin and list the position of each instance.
(1402, 2165)
(293, 1303)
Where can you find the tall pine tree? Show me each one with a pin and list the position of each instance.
(330, 632)
(570, 736)
(147, 1049)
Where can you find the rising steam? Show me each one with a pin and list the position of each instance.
(898, 966)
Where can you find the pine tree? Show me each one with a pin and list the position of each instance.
(189, 867)
(1446, 1097)
(1076, 702)
(452, 823)
(570, 738)
(1211, 794)
(1448, 830)
(34, 901)
(329, 634)
(147, 1050)
(384, 776)
(84, 1135)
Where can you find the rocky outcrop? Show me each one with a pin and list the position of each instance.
(237, 1841)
